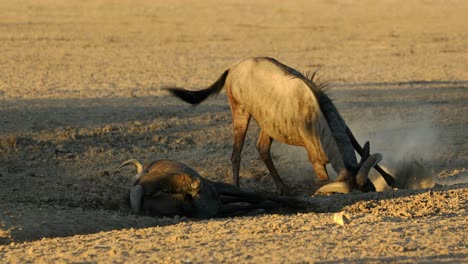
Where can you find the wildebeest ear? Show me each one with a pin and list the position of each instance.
(365, 154)
(195, 183)
(366, 150)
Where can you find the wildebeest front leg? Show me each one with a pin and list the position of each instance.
(318, 164)
(240, 123)
(263, 147)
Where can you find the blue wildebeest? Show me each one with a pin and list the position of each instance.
(292, 109)
(169, 188)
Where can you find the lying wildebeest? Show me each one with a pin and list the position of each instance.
(290, 108)
(169, 188)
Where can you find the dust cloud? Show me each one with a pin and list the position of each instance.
(411, 151)
(411, 148)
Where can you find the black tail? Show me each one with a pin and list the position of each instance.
(196, 97)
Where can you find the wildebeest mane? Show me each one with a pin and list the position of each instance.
(318, 88)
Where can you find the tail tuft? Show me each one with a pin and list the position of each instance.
(196, 97)
(191, 97)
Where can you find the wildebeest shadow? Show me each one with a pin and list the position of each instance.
(21, 222)
(48, 114)
(57, 155)
(19, 114)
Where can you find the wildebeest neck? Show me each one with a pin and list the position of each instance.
(337, 125)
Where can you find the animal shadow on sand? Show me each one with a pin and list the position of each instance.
(66, 151)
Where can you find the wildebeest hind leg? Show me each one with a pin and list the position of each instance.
(240, 123)
(263, 147)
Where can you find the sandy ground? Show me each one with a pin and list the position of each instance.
(80, 93)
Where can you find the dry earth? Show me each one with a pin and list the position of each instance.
(80, 93)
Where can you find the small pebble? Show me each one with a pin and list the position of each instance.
(341, 218)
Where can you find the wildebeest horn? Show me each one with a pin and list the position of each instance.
(136, 194)
(362, 175)
(138, 166)
(388, 177)
(379, 181)
(335, 187)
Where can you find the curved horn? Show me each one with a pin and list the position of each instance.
(380, 184)
(379, 181)
(137, 164)
(361, 177)
(335, 187)
(136, 194)
(134, 162)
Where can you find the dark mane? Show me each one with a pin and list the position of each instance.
(286, 69)
(336, 123)
(318, 88)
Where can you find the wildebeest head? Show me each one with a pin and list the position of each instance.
(352, 175)
(162, 176)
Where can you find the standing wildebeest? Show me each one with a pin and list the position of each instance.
(294, 110)
(169, 188)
